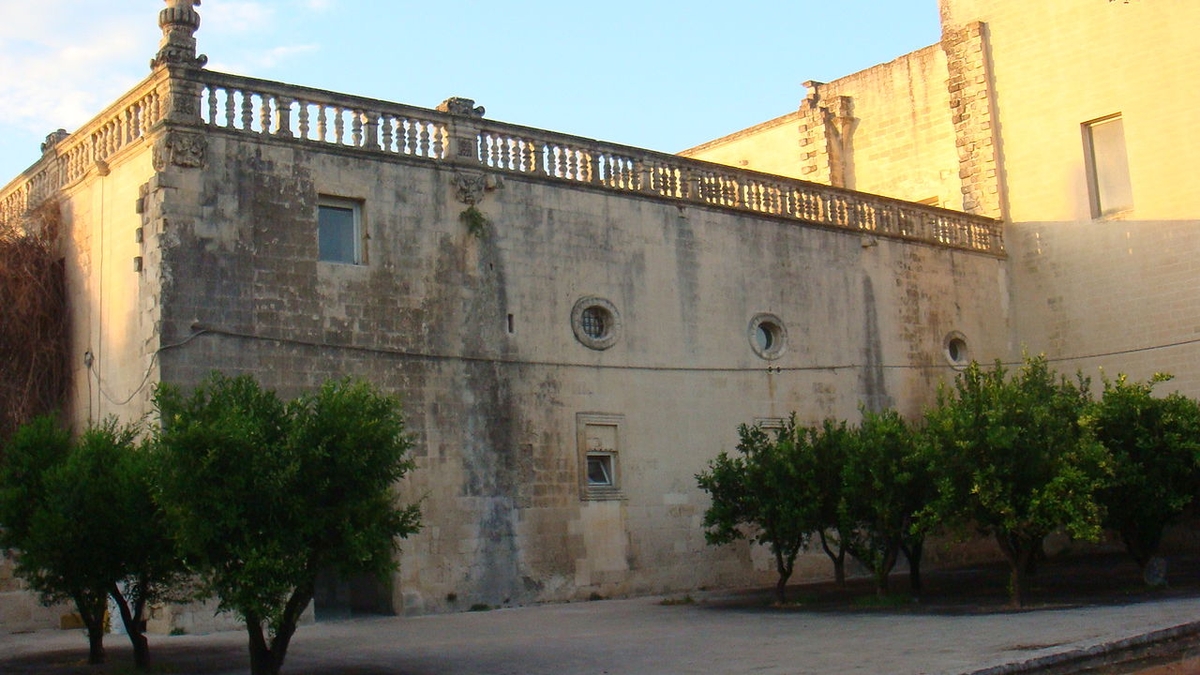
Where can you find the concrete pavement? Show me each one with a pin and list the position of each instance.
(645, 637)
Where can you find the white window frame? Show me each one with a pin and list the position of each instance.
(357, 254)
(1110, 188)
(590, 490)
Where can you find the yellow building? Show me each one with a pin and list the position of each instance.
(1071, 120)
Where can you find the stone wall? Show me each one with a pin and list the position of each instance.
(1058, 65)
(476, 334)
(885, 130)
(1110, 297)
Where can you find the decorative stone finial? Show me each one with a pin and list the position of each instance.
(179, 22)
(53, 139)
(457, 105)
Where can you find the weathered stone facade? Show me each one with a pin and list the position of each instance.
(540, 300)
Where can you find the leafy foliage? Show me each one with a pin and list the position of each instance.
(1014, 460)
(267, 494)
(886, 482)
(831, 443)
(765, 494)
(81, 516)
(1155, 443)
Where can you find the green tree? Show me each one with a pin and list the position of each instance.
(1014, 460)
(828, 447)
(763, 494)
(886, 484)
(81, 517)
(266, 494)
(1155, 443)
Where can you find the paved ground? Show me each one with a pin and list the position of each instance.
(642, 637)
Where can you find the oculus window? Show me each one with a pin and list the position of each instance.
(956, 351)
(768, 336)
(596, 323)
(339, 231)
(1107, 166)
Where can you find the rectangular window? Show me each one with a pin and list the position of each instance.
(339, 231)
(1107, 166)
(599, 454)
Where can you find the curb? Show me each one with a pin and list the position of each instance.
(1101, 654)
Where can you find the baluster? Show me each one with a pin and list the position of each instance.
(356, 128)
(322, 123)
(302, 118)
(488, 145)
(247, 111)
(282, 119)
(339, 126)
(264, 113)
(210, 105)
(423, 138)
(440, 135)
(510, 149)
(386, 132)
(229, 123)
(526, 150)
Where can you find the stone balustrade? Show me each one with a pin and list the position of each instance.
(289, 113)
(69, 159)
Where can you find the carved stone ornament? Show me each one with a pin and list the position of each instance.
(54, 139)
(470, 187)
(180, 149)
(461, 106)
(179, 22)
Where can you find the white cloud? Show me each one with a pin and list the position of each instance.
(57, 71)
(236, 17)
(319, 5)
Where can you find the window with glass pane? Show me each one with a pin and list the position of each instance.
(339, 232)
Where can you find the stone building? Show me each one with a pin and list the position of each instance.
(577, 327)
(1068, 120)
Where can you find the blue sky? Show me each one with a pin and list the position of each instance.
(662, 75)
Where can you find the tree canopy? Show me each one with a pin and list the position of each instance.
(266, 494)
(765, 493)
(79, 514)
(1015, 461)
(1155, 444)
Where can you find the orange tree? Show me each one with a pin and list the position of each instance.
(764, 493)
(80, 516)
(266, 494)
(1013, 459)
(1155, 443)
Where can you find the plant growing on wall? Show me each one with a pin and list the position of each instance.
(267, 494)
(475, 220)
(33, 319)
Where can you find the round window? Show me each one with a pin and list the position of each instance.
(768, 337)
(956, 352)
(596, 323)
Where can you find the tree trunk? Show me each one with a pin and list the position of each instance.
(268, 659)
(1020, 551)
(839, 560)
(886, 563)
(131, 619)
(91, 612)
(913, 553)
(784, 567)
